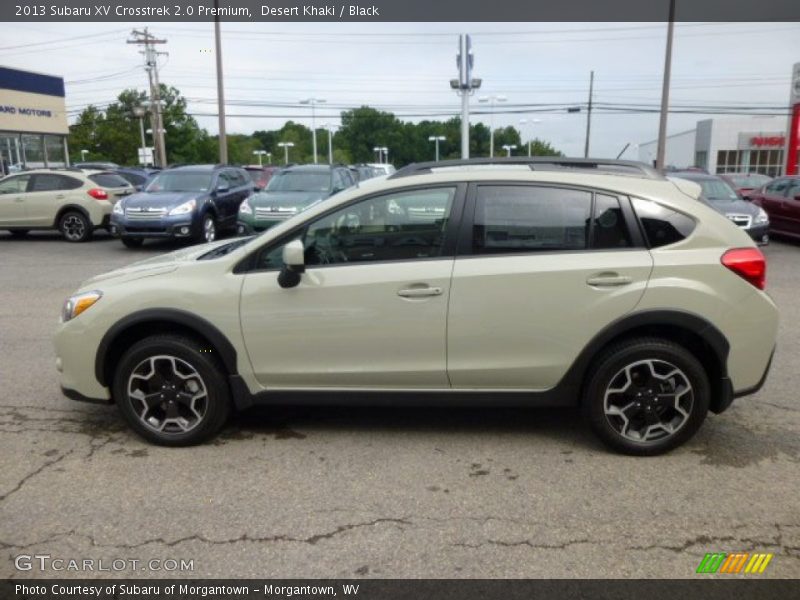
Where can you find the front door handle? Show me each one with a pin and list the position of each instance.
(420, 292)
(609, 280)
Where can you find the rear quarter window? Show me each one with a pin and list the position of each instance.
(662, 226)
(109, 180)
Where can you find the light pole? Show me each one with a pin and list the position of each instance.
(313, 102)
(491, 100)
(508, 148)
(83, 155)
(259, 153)
(330, 129)
(286, 146)
(532, 122)
(138, 112)
(269, 158)
(436, 139)
(378, 152)
(385, 152)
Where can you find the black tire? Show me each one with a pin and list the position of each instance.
(208, 222)
(75, 226)
(132, 242)
(651, 358)
(19, 233)
(215, 404)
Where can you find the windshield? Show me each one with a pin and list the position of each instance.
(717, 190)
(749, 181)
(299, 181)
(180, 181)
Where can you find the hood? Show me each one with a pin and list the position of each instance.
(734, 207)
(157, 265)
(298, 200)
(159, 199)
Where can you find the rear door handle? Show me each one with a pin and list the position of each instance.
(609, 280)
(420, 292)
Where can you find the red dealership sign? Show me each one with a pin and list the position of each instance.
(773, 141)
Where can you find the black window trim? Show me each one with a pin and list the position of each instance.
(465, 241)
(247, 264)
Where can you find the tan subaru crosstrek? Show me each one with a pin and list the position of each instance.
(73, 201)
(544, 282)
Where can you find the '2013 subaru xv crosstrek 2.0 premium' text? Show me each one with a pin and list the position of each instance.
(537, 282)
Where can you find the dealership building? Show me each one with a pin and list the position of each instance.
(33, 121)
(768, 145)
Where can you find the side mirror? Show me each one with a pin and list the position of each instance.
(294, 264)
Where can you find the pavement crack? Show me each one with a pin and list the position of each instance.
(34, 473)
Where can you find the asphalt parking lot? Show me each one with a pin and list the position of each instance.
(344, 492)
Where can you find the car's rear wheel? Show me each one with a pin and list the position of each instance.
(646, 396)
(75, 226)
(19, 233)
(132, 242)
(171, 390)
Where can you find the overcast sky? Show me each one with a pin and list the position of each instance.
(406, 67)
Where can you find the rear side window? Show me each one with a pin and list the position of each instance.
(529, 218)
(662, 226)
(133, 178)
(109, 180)
(609, 229)
(52, 182)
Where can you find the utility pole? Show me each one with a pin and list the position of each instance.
(465, 86)
(661, 148)
(589, 115)
(223, 138)
(146, 39)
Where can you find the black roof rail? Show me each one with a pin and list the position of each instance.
(537, 163)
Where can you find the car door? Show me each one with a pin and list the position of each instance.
(791, 207)
(12, 200)
(539, 272)
(370, 311)
(46, 194)
(771, 199)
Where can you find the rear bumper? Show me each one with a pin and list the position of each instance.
(757, 387)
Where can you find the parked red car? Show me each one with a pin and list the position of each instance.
(261, 175)
(780, 198)
(745, 183)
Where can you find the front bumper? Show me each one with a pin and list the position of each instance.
(759, 233)
(250, 226)
(181, 226)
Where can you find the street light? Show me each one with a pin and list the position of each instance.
(532, 122)
(259, 153)
(508, 148)
(378, 152)
(286, 146)
(139, 112)
(330, 129)
(269, 158)
(83, 155)
(385, 152)
(491, 100)
(436, 139)
(313, 102)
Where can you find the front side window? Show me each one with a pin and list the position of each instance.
(661, 225)
(399, 226)
(14, 185)
(528, 218)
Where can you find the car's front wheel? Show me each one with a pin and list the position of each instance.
(171, 390)
(646, 396)
(75, 226)
(208, 233)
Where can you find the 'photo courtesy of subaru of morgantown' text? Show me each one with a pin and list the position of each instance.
(399, 300)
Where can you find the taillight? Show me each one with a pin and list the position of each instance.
(749, 264)
(98, 194)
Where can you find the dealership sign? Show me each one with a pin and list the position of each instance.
(762, 141)
(32, 102)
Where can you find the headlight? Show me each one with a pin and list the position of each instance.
(245, 208)
(184, 208)
(77, 304)
(762, 217)
(118, 210)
